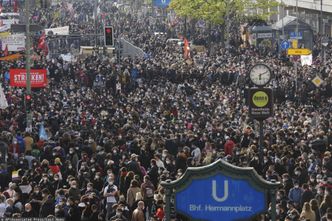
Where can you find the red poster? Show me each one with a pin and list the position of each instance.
(38, 78)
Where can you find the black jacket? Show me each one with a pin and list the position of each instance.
(47, 207)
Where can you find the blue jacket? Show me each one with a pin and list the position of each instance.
(295, 195)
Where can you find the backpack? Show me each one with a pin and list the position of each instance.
(149, 193)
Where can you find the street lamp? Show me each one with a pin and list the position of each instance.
(27, 66)
(324, 43)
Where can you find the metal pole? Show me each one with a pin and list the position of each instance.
(27, 65)
(95, 12)
(297, 34)
(282, 20)
(321, 18)
(273, 206)
(261, 145)
(324, 55)
(168, 192)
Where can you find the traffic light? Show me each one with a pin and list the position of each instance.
(108, 32)
(28, 100)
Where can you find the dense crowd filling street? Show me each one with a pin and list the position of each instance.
(115, 128)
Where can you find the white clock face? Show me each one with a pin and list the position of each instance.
(260, 74)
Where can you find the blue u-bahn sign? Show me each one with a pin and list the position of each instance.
(161, 3)
(221, 191)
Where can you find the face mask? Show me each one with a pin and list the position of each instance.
(92, 161)
(168, 162)
(70, 167)
(68, 204)
(297, 173)
(110, 183)
(56, 210)
(74, 186)
(312, 180)
(118, 214)
(45, 178)
(56, 178)
(97, 177)
(89, 188)
(115, 152)
(296, 186)
(71, 151)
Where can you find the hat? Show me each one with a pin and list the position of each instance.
(133, 155)
(327, 154)
(57, 160)
(82, 205)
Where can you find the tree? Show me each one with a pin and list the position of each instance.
(222, 12)
(217, 11)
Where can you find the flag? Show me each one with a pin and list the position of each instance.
(42, 133)
(45, 50)
(3, 100)
(186, 49)
(12, 57)
(54, 168)
(41, 41)
(15, 175)
(6, 53)
(15, 6)
(42, 44)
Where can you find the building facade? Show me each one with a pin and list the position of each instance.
(309, 11)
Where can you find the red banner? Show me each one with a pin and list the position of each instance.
(38, 78)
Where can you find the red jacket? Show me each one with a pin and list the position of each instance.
(228, 147)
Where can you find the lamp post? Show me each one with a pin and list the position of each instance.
(321, 29)
(324, 42)
(27, 65)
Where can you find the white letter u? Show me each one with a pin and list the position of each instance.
(214, 191)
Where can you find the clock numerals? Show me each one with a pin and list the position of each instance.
(260, 74)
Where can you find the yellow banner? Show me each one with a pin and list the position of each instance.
(4, 34)
(11, 57)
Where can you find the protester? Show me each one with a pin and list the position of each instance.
(104, 150)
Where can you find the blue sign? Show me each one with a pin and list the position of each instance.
(220, 197)
(285, 45)
(294, 35)
(161, 3)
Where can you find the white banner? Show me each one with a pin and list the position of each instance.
(9, 21)
(4, 28)
(3, 100)
(306, 60)
(67, 57)
(14, 43)
(264, 35)
(58, 31)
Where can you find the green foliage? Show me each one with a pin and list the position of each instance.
(263, 6)
(216, 11)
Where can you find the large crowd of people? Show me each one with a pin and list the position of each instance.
(107, 148)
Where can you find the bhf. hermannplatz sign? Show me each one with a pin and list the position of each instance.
(220, 191)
